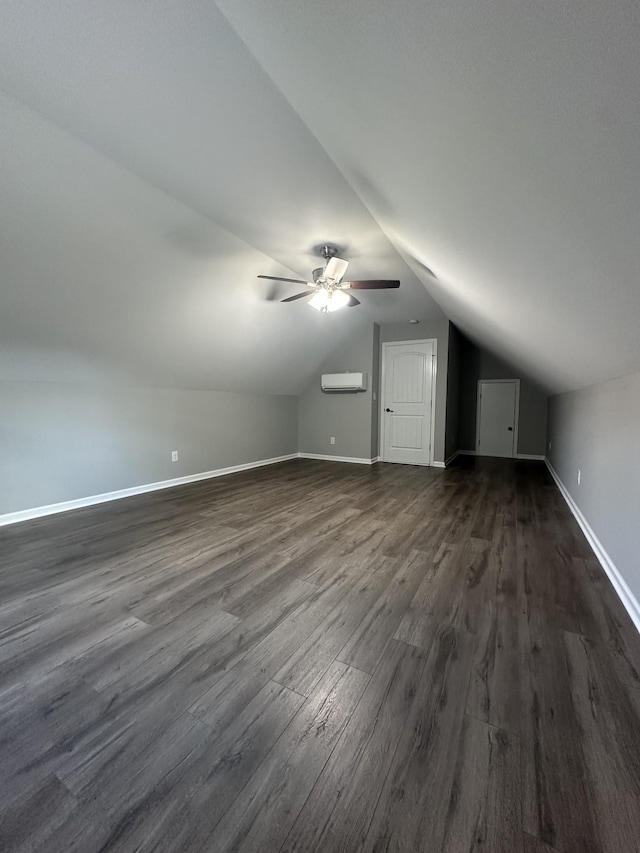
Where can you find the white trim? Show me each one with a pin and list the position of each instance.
(359, 460)
(92, 500)
(533, 456)
(375, 459)
(453, 456)
(628, 599)
(467, 453)
(434, 377)
(434, 385)
(516, 414)
(438, 465)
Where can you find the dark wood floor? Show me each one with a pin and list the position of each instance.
(317, 656)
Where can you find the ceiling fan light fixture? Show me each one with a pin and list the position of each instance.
(329, 300)
(337, 299)
(319, 300)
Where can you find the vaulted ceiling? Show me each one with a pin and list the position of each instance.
(157, 156)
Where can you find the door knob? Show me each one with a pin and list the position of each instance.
(510, 429)
(388, 410)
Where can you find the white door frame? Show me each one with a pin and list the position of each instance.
(434, 371)
(482, 382)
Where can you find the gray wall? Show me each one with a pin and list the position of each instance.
(61, 442)
(426, 329)
(452, 437)
(597, 430)
(477, 363)
(345, 415)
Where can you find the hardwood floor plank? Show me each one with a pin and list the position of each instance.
(612, 622)
(135, 762)
(484, 811)
(314, 655)
(263, 814)
(496, 693)
(339, 809)
(367, 643)
(57, 638)
(156, 650)
(39, 724)
(182, 809)
(559, 807)
(507, 569)
(244, 599)
(534, 845)
(454, 592)
(223, 700)
(29, 820)
(608, 714)
(83, 829)
(211, 585)
(485, 520)
(553, 586)
(437, 593)
(411, 811)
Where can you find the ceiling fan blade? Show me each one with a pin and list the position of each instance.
(296, 296)
(292, 280)
(335, 268)
(373, 284)
(352, 301)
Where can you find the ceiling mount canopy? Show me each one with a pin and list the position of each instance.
(330, 290)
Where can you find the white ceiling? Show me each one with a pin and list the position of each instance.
(155, 173)
(153, 163)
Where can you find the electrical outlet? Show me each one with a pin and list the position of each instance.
(174, 455)
(333, 439)
(579, 477)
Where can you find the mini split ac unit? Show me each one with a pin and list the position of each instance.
(344, 382)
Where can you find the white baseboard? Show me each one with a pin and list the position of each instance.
(380, 459)
(453, 456)
(517, 456)
(625, 595)
(65, 506)
(359, 460)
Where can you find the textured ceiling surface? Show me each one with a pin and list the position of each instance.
(156, 156)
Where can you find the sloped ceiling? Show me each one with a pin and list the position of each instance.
(159, 155)
(150, 171)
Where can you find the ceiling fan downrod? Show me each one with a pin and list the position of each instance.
(328, 252)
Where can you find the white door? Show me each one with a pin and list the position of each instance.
(497, 417)
(408, 371)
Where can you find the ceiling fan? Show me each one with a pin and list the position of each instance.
(330, 292)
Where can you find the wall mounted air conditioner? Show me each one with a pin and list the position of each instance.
(344, 382)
